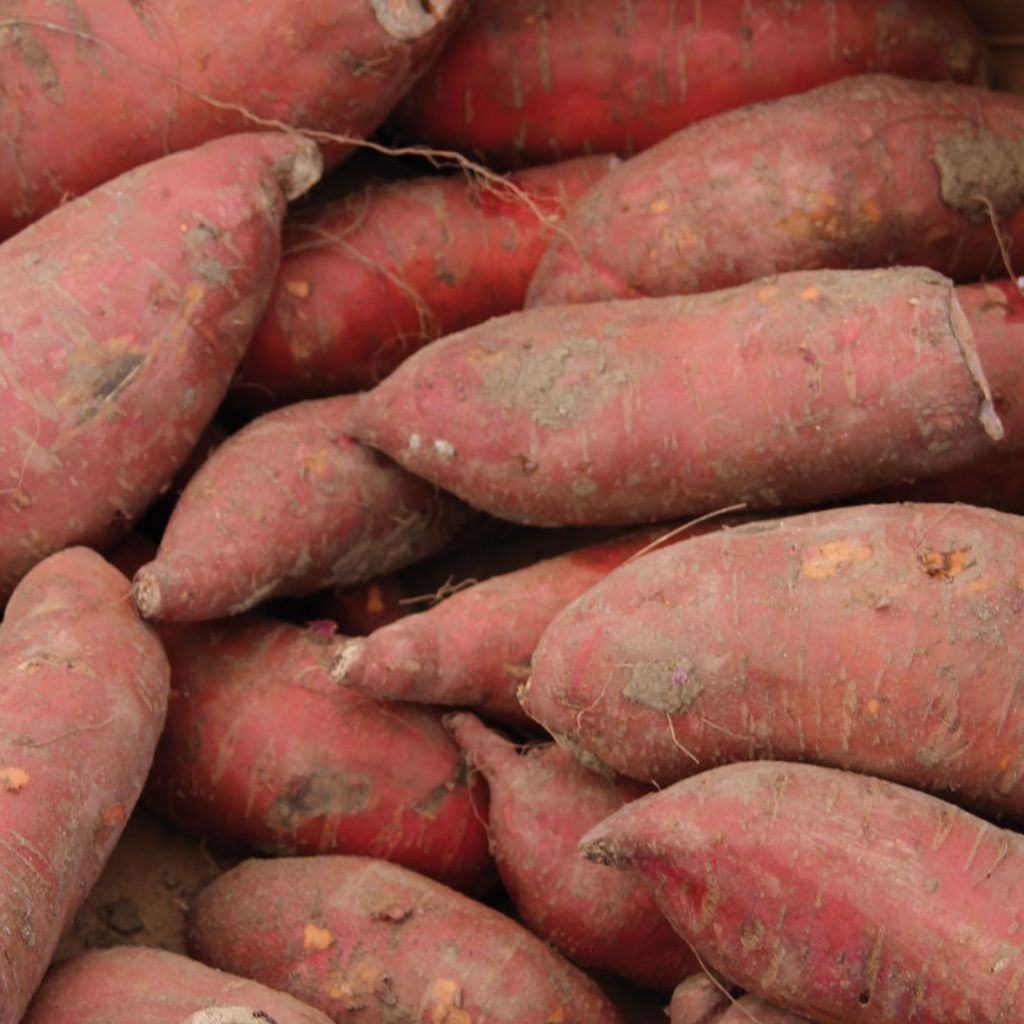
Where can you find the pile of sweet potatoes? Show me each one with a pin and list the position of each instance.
(580, 575)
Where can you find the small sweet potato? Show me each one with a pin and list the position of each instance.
(833, 894)
(866, 172)
(286, 506)
(525, 81)
(887, 639)
(83, 692)
(103, 87)
(262, 749)
(149, 986)
(698, 999)
(790, 390)
(542, 802)
(122, 317)
(370, 278)
(364, 939)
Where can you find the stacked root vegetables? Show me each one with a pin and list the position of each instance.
(693, 392)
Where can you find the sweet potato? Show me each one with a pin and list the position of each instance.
(98, 88)
(368, 279)
(83, 691)
(364, 939)
(525, 81)
(887, 639)
(286, 506)
(122, 317)
(542, 802)
(751, 1010)
(149, 986)
(262, 749)
(833, 894)
(698, 999)
(869, 171)
(791, 390)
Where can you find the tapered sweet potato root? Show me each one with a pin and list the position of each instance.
(833, 894)
(542, 803)
(367, 280)
(525, 81)
(83, 692)
(287, 505)
(350, 935)
(866, 172)
(262, 750)
(104, 87)
(130, 986)
(699, 999)
(888, 639)
(122, 317)
(790, 390)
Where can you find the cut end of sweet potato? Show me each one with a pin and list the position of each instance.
(410, 19)
(300, 170)
(230, 1015)
(602, 851)
(346, 667)
(146, 592)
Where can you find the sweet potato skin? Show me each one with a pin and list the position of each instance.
(885, 639)
(350, 934)
(335, 513)
(367, 280)
(833, 894)
(542, 803)
(110, 376)
(110, 86)
(83, 696)
(790, 390)
(262, 750)
(524, 81)
(128, 985)
(866, 172)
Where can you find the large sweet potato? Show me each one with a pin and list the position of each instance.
(287, 505)
(149, 986)
(833, 894)
(887, 639)
(262, 749)
(83, 691)
(790, 390)
(869, 171)
(94, 89)
(122, 317)
(525, 81)
(370, 278)
(366, 940)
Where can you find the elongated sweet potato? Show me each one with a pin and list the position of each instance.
(286, 506)
(887, 639)
(103, 87)
(367, 280)
(131, 986)
(352, 936)
(83, 691)
(542, 802)
(262, 749)
(833, 894)
(789, 390)
(869, 171)
(122, 317)
(530, 80)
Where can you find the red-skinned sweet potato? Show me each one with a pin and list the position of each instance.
(787, 391)
(149, 986)
(699, 999)
(833, 894)
(104, 87)
(348, 934)
(887, 639)
(82, 699)
(122, 317)
(262, 749)
(869, 171)
(525, 81)
(542, 803)
(367, 280)
(284, 507)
